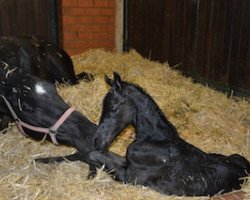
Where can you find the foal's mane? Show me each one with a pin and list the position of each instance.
(154, 105)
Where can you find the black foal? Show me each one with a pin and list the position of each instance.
(159, 158)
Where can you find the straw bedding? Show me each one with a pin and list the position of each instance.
(203, 117)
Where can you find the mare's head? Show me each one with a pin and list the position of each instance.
(124, 104)
(34, 100)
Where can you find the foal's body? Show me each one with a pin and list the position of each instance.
(159, 158)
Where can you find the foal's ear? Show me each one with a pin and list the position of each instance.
(108, 80)
(117, 80)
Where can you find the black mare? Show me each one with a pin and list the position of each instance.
(41, 58)
(159, 158)
(38, 57)
(36, 102)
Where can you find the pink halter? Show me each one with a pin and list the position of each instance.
(52, 131)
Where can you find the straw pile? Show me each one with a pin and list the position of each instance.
(203, 117)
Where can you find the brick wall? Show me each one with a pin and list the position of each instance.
(87, 24)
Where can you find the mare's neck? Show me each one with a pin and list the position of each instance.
(81, 124)
(76, 129)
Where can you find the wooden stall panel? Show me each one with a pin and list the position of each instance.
(239, 65)
(28, 17)
(207, 39)
(213, 40)
(145, 27)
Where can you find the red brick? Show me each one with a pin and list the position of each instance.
(67, 44)
(76, 11)
(101, 20)
(101, 43)
(86, 3)
(112, 3)
(82, 28)
(102, 35)
(85, 19)
(101, 3)
(88, 36)
(90, 27)
(94, 44)
(70, 36)
(88, 24)
(92, 11)
(72, 28)
(66, 11)
(107, 12)
(85, 11)
(78, 44)
(68, 20)
(111, 20)
(107, 27)
(69, 3)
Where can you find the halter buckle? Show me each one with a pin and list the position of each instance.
(52, 131)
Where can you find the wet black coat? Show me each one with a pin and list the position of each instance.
(158, 157)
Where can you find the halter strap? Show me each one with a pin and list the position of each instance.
(52, 131)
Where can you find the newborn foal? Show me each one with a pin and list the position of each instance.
(159, 158)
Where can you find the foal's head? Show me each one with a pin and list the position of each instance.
(124, 104)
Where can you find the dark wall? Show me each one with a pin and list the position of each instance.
(29, 17)
(207, 39)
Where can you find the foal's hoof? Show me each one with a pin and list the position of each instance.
(91, 175)
(92, 172)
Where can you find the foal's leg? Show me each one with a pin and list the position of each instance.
(74, 157)
(114, 164)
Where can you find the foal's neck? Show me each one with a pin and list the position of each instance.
(151, 123)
